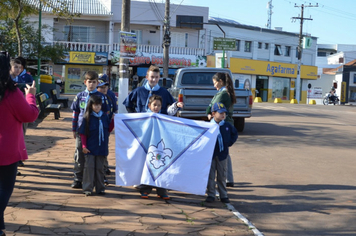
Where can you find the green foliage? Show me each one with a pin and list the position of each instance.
(19, 37)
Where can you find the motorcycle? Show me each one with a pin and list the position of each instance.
(328, 100)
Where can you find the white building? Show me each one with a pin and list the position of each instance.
(268, 58)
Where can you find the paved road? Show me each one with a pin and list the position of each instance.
(294, 166)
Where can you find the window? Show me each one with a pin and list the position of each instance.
(297, 53)
(287, 52)
(259, 45)
(321, 54)
(80, 33)
(266, 46)
(280, 88)
(179, 39)
(277, 50)
(237, 45)
(248, 46)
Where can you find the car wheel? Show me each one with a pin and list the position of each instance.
(239, 123)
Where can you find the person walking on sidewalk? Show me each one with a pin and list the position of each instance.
(226, 95)
(226, 137)
(94, 133)
(78, 106)
(15, 109)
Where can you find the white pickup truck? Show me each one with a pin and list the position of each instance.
(194, 86)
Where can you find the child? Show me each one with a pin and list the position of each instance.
(78, 106)
(94, 133)
(155, 105)
(227, 136)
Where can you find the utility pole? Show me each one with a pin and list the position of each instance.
(269, 12)
(300, 48)
(166, 40)
(39, 49)
(124, 62)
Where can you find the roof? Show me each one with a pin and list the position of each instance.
(332, 71)
(233, 23)
(83, 7)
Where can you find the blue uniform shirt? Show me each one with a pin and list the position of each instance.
(137, 99)
(93, 136)
(78, 106)
(229, 136)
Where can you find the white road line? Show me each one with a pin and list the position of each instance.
(244, 219)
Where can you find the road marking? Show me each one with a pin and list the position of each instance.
(244, 219)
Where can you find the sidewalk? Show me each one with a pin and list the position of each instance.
(43, 203)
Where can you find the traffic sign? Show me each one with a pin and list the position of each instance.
(227, 44)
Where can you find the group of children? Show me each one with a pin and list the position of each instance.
(93, 121)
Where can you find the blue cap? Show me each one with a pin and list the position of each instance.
(103, 77)
(102, 83)
(218, 107)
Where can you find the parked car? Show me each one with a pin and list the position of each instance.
(75, 86)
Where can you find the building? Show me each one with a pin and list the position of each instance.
(92, 39)
(267, 58)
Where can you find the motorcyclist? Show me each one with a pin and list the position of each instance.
(332, 95)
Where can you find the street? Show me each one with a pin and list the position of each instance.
(294, 169)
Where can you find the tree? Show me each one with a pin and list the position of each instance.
(14, 11)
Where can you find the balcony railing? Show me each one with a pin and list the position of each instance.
(103, 47)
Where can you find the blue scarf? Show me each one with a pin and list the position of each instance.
(220, 140)
(101, 127)
(17, 77)
(88, 96)
(148, 87)
(222, 89)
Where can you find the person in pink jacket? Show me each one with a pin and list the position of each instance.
(15, 109)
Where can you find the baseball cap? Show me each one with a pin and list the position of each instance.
(102, 83)
(219, 107)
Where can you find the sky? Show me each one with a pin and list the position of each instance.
(333, 21)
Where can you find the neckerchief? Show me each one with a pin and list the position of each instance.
(101, 128)
(148, 87)
(88, 96)
(220, 140)
(17, 77)
(222, 89)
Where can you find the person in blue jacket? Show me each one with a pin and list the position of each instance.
(18, 72)
(137, 100)
(227, 137)
(78, 106)
(94, 134)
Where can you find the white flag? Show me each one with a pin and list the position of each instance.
(164, 151)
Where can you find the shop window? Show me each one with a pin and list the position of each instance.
(237, 45)
(287, 52)
(248, 45)
(281, 88)
(277, 50)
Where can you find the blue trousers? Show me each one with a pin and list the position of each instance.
(7, 183)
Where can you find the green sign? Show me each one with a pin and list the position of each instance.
(227, 44)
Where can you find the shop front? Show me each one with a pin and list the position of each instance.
(77, 64)
(270, 80)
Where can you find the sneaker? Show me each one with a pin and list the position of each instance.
(76, 184)
(87, 193)
(21, 164)
(230, 184)
(225, 200)
(164, 197)
(18, 174)
(106, 182)
(144, 195)
(210, 199)
(108, 172)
